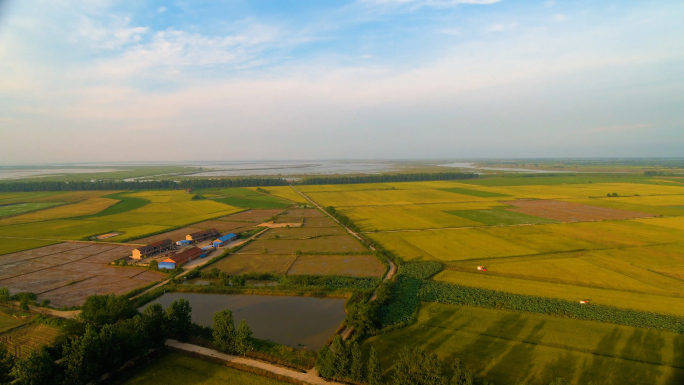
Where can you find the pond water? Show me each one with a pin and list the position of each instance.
(300, 322)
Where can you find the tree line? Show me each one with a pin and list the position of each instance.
(138, 185)
(382, 178)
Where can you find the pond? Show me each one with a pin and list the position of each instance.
(299, 322)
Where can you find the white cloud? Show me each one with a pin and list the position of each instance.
(559, 18)
(623, 128)
(161, 9)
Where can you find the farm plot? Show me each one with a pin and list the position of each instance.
(68, 273)
(13, 245)
(10, 319)
(663, 304)
(499, 216)
(20, 208)
(21, 342)
(302, 232)
(319, 222)
(91, 205)
(284, 192)
(570, 212)
(348, 265)
(237, 264)
(253, 216)
(371, 218)
(302, 213)
(389, 197)
(510, 348)
(331, 244)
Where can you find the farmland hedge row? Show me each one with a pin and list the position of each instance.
(381, 178)
(405, 293)
(138, 185)
(462, 295)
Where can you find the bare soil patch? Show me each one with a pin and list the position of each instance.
(303, 213)
(570, 212)
(319, 222)
(255, 216)
(249, 263)
(333, 244)
(349, 265)
(302, 232)
(68, 273)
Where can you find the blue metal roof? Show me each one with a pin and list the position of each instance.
(227, 237)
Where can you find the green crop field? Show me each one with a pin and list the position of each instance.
(510, 348)
(499, 216)
(20, 208)
(475, 193)
(245, 198)
(175, 368)
(12, 245)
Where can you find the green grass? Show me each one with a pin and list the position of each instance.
(475, 193)
(175, 368)
(515, 348)
(21, 208)
(125, 204)
(8, 322)
(12, 245)
(255, 202)
(499, 216)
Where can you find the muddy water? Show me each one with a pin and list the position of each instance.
(295, 321)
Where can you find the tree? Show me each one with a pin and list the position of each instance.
(4, 295)
(356, 371)
(324, 363)
(243, 340)
(99, 310)
(179, 318)
(340, 357)
(238, 280)
(82, 357)
(224, 331)
(38, 368)
(154, 324)
(6, 364)
(461, 376)
(418, 368)
(373, 375)
(154, 264)
(24, 303)
(559, 381)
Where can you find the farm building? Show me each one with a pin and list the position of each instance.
(168, 263)
(202, 235)
(183, 257)
(183, 242)
(224, 240)
(152, 249)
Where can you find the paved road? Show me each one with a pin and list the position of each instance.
(310, 377)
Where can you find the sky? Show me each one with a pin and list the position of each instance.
(107, 80)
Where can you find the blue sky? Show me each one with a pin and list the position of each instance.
(105, 80)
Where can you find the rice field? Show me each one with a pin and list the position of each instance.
(510, 348)
(21, 342)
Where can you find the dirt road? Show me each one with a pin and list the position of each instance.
(310, 377)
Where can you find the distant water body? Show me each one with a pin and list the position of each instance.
(263, 168)
(507, 169)
(44, 172)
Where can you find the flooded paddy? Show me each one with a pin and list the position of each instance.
(300, 322)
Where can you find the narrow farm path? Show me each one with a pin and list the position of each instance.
(347, 331)
(310, 377)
